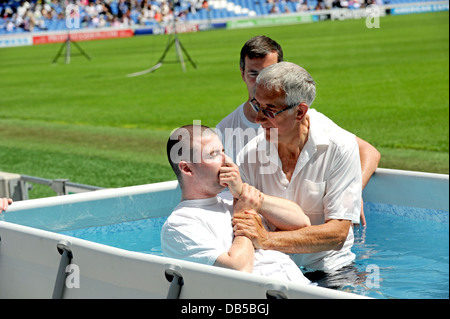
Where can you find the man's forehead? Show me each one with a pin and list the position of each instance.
(208, 139)
(259, 63)
(264, 93)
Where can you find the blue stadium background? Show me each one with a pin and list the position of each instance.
(18, 16)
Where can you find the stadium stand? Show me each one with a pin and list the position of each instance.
(49, 15)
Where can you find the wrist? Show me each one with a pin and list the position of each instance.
(265, 241)
(239, 191)
(261, 201)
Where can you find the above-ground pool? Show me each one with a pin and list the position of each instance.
(110, 240)
(401, 254)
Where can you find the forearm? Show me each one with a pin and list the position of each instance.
(313, 239)
(368, 167)
(283, 213)
(280, 212)
(240, 256)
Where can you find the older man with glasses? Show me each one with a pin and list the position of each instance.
(310, 161)
(239, 127)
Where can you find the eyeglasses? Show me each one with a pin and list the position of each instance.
(268, 113)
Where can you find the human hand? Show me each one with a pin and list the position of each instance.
(230, 177)
(249, 224)
(250, 198)
(362, 217)
(4, 203)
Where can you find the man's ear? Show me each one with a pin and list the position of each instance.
(301, 110)
(185, 167)
(242, 74)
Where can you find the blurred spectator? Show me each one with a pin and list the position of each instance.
(274, 9)
(10, 26)
(319, 5)
(302, 5)
(336, 4)
(354, 4)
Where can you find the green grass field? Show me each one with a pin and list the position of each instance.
(90, 123)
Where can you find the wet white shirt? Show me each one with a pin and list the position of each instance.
(236, 131)
(326, 182)
(200, 231)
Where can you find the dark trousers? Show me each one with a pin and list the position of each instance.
(345, 276)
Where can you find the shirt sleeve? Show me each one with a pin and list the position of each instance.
(188, 240)
(343, 194)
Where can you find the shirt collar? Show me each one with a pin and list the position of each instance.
(200, 202)
(316, 133)
(316, 139)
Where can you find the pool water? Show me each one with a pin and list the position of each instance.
(141, 235)
(402, 255)
(410, 254)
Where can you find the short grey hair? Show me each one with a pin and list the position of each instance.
(293, 80)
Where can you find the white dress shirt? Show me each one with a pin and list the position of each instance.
(326, 182)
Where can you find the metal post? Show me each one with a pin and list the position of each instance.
(179, 53)
(59, 186)
(68, 50)
(66, 257)
(275, 291)
(176, 281)
(273, 294)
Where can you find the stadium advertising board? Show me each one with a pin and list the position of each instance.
(419, 8)
(15, 40)
(182, 28)
(266, 21)
(83, 36)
